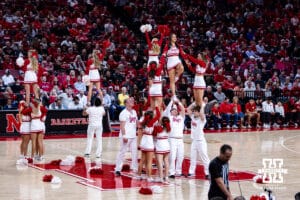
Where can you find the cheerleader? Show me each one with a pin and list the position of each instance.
(24, 118)
(176, 113)
(37, 129)
(93, 65)
(40, 137)
(32, 70)
(147, 144)
(199, 145)
(199, 82)
(154, 47)
(162, 148)
(155, 83)
(174, 64)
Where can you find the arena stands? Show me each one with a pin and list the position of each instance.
(253, 44)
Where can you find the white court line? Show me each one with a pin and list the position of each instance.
(76, 176)
(284, 146)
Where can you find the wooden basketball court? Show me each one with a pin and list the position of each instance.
(249, 150)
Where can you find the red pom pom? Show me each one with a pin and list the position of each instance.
(125, 167)
(96, 171)
(106, 44)
(168, 127)
(55, 162)
(30, 160)
(163, 29)
(79, 159)
(47, 178)
(34, 54)
(157, 129)
(146, 191)
(257, 197)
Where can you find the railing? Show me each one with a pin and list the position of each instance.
(243, 96)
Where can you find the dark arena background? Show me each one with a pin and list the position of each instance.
(250, 52)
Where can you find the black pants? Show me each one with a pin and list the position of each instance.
(267, 117)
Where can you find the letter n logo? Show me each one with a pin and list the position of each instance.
(12, 123)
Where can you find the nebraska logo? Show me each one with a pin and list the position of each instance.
(132, 119)
(69, 121)
(12, 123)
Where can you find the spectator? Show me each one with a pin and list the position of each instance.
(252, 113)
(67, 97)
(122, 97)
(291, 112)
(268, 114)
(106, 99)
(82, 98)
(219, 95)
(79, 85)
(45, 85)
(57, 104)
(10, 105)
(249, 90)
(17, 87)
(279, 114)
(216, 116)
(237, 113)
(226, 111)
(7, 78)
(75, 104)
(209, 94)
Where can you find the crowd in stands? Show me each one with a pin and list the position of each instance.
(254, 47)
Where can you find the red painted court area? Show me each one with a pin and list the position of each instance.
(109, 181)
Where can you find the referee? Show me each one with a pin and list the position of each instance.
(218, 171)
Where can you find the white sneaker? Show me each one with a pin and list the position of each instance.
(228, 127)
(174, 98)
(257, 126)
(22, 161)
(235, 126)
(166, 180)
(159, 180)
(150, 180)
(219, 126)
(296, 125)
(138, 177)
(249, 126)
(275, 125)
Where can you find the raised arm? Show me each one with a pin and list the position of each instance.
(162, 61)
(156, 118)
(189, 109)
(182, 109)
(161, 39)
(148, 40)
(168, 109)
(197, 61)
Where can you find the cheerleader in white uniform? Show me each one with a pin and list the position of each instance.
(199, 145)
(155, 83)
(40, 136)
(199, 82)
(147, 143)
(32, 70)
(176, 113)
(92, 69)
(174, 65)
(24, 118)
(37, 130)
(162, 147)
(154, 47)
